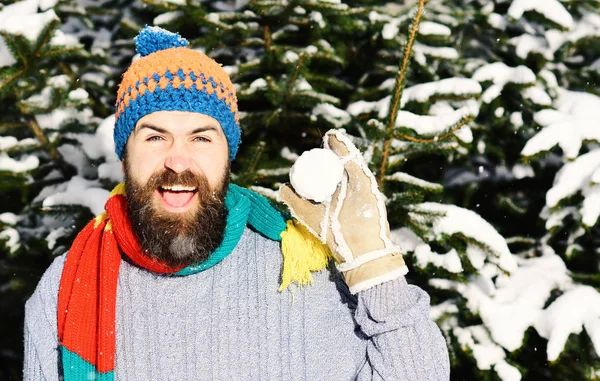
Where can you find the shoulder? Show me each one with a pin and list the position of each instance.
(43, 301)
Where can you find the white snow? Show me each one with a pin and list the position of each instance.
(476, 255)
(499, 73)
(80, 191)
(9, 218)
(316, 174)
(337, 117)
(590, 208)
(514, 303)
(443, 52)
(62, 39)
(574, 310)
(54, 235)
(27, 163)
(60, 115)
(269, 193)
(317, 17)
(516, 119)
(290, 56)
(549, 78)
(273, 172)
(42, 99)
(23, 19)
(78, 95)
(12, 237)
(572, 177)
(449, 261)
(553, 10)
(302, 85)
(455, 220)
(427, 28)
(405, 239)
(521, 171)
(427, 125)
(574, 121)
(485, 352)
(390, 31)
(537, 95)
(464, 87)
(406, 178)
(59, 81)
(497, 21)
(6, 58)
(257, 84)
(7, 142)
(167, 17)
(286, 153)
(526, 43)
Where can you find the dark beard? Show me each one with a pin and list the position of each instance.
(177, 239)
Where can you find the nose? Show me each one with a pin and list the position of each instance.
(178, 161)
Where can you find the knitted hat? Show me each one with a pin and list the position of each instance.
(171, 77)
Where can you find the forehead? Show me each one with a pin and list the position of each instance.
(179, 121)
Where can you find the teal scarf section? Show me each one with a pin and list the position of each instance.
(244, 207)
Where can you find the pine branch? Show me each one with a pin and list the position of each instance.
(435, 139)
(256, 157)
(39, 134)
(296, 72)
(267, 38)
(395, 102)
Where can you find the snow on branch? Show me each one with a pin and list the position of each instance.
(79, 191)
(408, 179)
(512, 303)
(337, 117)
(438, 125)
(439, 220)
(581, 175)
(430, 28)
(461, 88)
(574, 310)
(552, 10)
(574, 121)
(486, 352)
(500, 74)
(408, 241)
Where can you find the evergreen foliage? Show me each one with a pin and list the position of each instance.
(477, 117)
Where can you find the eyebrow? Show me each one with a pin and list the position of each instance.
(164, 131)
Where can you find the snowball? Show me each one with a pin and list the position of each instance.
(316, 174)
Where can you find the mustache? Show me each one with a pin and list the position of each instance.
(169, 178)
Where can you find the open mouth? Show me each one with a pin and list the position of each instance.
(177, 196)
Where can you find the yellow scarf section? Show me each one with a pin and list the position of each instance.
(302, 254)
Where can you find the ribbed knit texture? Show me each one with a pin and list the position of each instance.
(230, 323)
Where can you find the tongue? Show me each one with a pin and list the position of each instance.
(177, 199)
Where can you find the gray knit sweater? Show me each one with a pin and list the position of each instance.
(230, 323)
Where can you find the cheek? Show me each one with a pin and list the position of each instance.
(142, 167)
(214, 170)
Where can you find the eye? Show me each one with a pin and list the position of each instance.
(201, 139)
(154, 138)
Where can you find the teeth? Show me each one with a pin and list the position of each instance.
(178, 188)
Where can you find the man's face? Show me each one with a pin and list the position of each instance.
(176, 176)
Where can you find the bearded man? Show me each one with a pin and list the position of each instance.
(185, 276)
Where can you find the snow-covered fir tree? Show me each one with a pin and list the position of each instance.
(477, 117)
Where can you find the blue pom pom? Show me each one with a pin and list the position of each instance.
(153, 39)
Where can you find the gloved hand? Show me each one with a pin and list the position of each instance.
(353, 223)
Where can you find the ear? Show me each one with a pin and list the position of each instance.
(123, 168)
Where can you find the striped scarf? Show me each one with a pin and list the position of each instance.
(88, 287)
